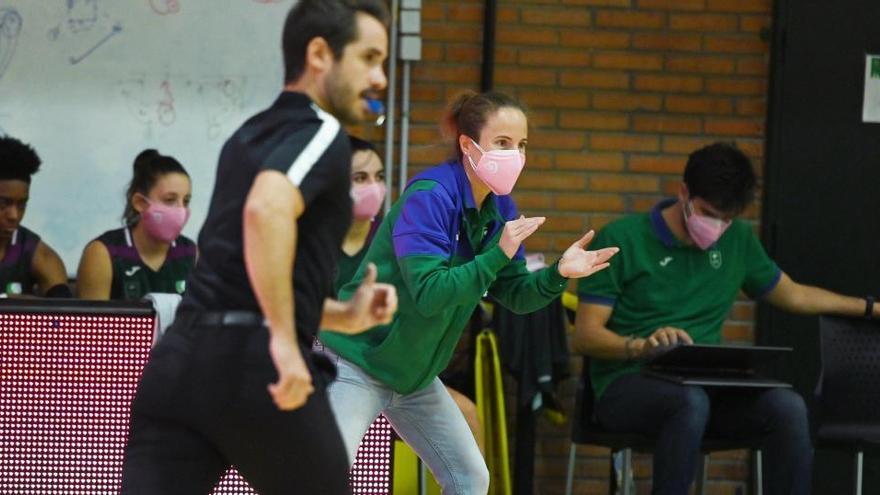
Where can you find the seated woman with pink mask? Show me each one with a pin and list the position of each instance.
(148, 254)
(367, 196)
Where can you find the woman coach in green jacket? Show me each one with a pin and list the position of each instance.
(454, 235)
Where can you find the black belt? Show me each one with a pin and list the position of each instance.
(229, 319)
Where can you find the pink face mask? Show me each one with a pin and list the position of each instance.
(367, 199)
(498, 169)
(704, 231)
(164, 222)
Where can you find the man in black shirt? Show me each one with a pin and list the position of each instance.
(279, 211)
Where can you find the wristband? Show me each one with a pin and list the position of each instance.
(869, 307)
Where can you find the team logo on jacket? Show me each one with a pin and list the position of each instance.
(715, 259)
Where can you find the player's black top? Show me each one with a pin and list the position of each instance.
(297, 138)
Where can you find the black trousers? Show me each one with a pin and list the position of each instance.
(202, 405)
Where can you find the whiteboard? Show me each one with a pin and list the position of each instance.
(91, 83)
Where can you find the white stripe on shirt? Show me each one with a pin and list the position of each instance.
(316, 147)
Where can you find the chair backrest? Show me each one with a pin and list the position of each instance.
(849, 386)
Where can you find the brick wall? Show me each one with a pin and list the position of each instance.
(620, 91)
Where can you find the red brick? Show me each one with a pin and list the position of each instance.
(600, 3)
(520, 76)
(432, 52)
(594, 79)
(464, 12)
(684, 145)
(744, 311)
(751, 107)
(737, 332)
(644, 204)
(526, 200)
(428, 155)
(610, 162)
(507, 14)
(437, 73)
(628, 60)
(753, 66)
(424, 134)
(539, 242)
(735, 127)
(753, 148)
(624, 183)
(751, 86)
(552, 180)
(529, 35)
(743, 6)
(433, 12)
(594, 39)
(657, 164)
(557, 17)
(506, 55)
(593, 120)
(555, 57)
(571, 225)
(754, 23)
(460, 53)
(538, 159)
(710, 23)
(671, 186)
(557, 140)
(624, 142)
(588, 202)
(540, 98)
(424, 91)
(667, 83)
(735, 44)
(667, 42)
(425, 113)
(663, 124)
(700, 64)
(629, 19)
(542, 118)
(457, 33)
(698, 104)
(627, 101)
(672, 4)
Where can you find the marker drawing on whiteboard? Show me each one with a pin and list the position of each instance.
(165, 7)
(165, 111)
(117, 28)
(10, 28)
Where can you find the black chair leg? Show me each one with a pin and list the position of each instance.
(860, 459)
(612, 474)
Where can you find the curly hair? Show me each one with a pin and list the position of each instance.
(18, 161)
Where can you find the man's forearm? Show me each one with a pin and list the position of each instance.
(815, 300)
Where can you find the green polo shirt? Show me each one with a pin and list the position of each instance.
(441, 253)
(657, 281)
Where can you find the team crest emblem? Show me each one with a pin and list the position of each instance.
(715, 259)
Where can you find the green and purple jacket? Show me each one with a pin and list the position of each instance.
(441, 253)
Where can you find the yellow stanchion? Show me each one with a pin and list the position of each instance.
(490, 408)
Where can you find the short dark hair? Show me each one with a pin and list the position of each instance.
(149, 166)
(18, 161)
(469, 111)
(358, 144)
(333, 20)
(722, 175)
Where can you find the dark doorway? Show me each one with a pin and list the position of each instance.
(821, 219)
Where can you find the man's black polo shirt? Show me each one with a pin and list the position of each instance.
(299, 139)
